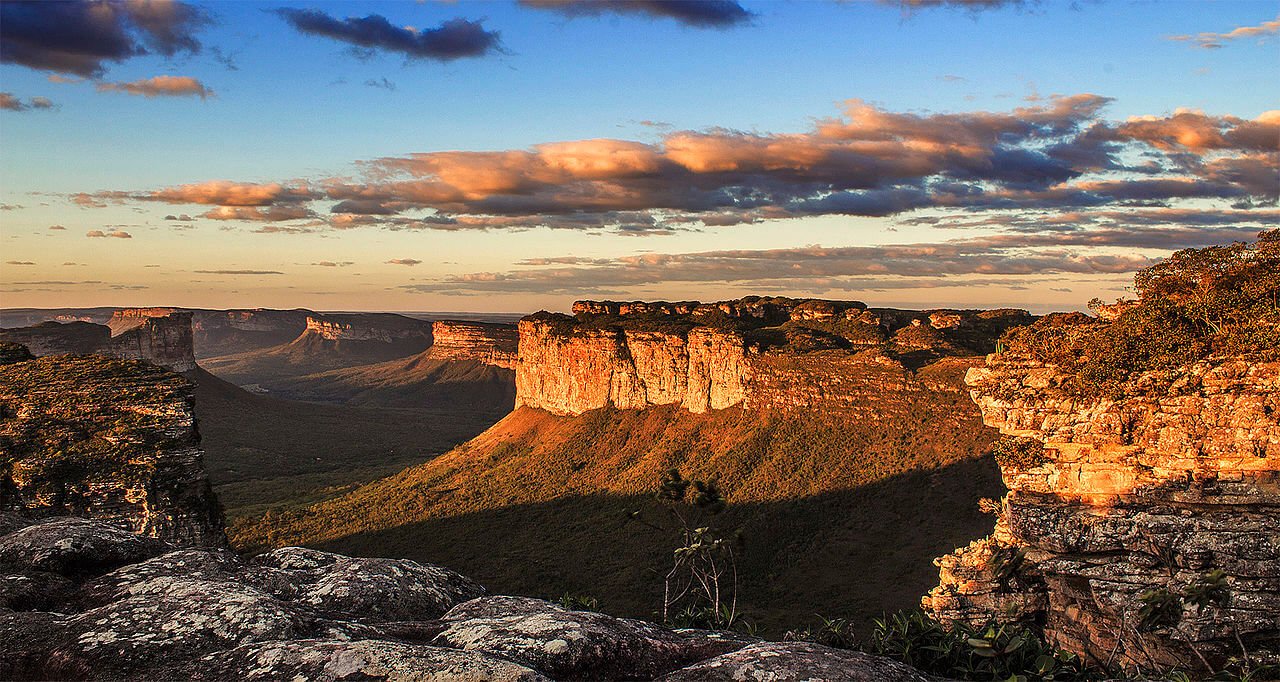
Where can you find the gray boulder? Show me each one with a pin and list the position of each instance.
(324, 660)
(563, 644)
(75, 547)
(367, 590)
(797, 662)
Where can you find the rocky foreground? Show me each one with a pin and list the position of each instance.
(82, 599)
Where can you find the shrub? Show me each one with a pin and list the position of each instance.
(1019, 452)
(991, 652)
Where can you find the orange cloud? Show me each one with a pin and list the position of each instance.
(1210, 40)
(118, 234)
(227, 193)
(160, 86)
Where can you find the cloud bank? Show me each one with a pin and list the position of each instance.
(1212, 41)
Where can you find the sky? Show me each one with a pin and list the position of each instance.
(516, 156)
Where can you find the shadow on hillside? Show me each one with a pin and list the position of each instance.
(852, 554)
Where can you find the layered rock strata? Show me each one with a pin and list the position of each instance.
(83, 600)
(377, 327)
(491, 344)
(106, 439)
(756, 352)
(1114, 498)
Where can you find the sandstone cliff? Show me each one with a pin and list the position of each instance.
(758, 352)
(376, 327)
(161, 340)
(106, 439)
(491, 344)
(1111, 498)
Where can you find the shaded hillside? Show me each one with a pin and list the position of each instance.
(843, 514)
(418, 381)
(266, 451)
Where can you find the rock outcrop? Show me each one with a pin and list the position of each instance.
(756, 352)
(105, 439)
(139, 334)
(377, 327)
(116, 606)
(164, 341)
(1141, 493)
(489, 343)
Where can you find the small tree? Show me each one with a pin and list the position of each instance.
(701, 587)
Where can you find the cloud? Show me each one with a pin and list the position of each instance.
(333, 264)
(57, 228)
(117, 234)
(160, 86)
(10, 102)
(238, 272)
(81, 37)
(994, 260)
(453, 39)
(18, 262)
(381, 83)
(697, 13)
(404, 261)
(1211, 41)
(183, 218)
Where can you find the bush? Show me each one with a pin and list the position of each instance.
(991, 652)
(1018, 452)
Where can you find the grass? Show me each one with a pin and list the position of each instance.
(839, 510)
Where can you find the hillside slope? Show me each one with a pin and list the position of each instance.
(418, 381)
(265, 451)
(838, 510)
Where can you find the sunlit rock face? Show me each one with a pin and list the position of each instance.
(1135, 492)
(700, 369)
(139, 334)
(492, 344)
(105, 439)
(754, 352)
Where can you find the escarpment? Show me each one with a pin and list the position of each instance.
(106, 439)
(134, 334)
(489, 343)
(756, 352)
(1141, 451)
(1113, 498)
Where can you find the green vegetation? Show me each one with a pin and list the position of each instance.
(990, 652)
(1197, 303)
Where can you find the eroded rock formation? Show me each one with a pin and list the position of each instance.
(1114, 497)
(756, 352)
(492, 344)
(139, 334)
(378, 327)
(105, 439)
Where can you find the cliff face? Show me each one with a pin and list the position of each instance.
(1114, 497)
(701, 369)
(492, 344)
(165, 341)
(161, 340)
(368, 327)
(107, 439)
(761, 352)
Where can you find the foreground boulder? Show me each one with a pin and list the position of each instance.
(798, 662)
(84, 599)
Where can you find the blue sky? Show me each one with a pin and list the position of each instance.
(297, 109)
